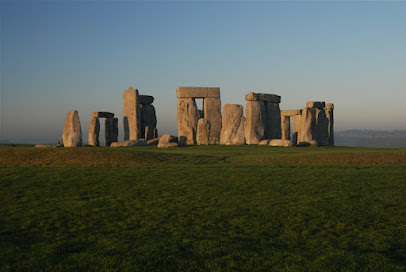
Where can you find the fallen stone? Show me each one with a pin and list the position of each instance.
(167, 138)
(153, 141)
(44, 145)
(309, 143)
(280, 142)
(166, 145)
(72, 132)
(131, 114)
(102, 114)
(263, 97)
(290, 112)
(272, 121)
(197, 92)
(315, 104)
(264, 142)
(232, 127)
(203, 132)
(255, 113)
(212, 113)
(188, 116)
(285, 126)
(94, 131)
(146, 99)
(140, 142)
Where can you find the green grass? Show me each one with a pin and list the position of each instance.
(215, 208)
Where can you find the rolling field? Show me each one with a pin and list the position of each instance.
(202, 208)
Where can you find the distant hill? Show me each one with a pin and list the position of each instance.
(371, 138)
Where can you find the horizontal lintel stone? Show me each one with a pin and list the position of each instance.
(315, 104)
(263, 97)
(102, 114)
(291, 112)
(197, 92)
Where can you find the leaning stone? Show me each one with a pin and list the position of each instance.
(212, 113)
(232, 126)
(131, 114)
(329, 106)
(280, 142)
(102, 114)
(146, 99)
(166, 145)
(315, 104)
(153, 141)
(264, 142)
(203, 132)
(290, 112)
(94, 131)
(197, 92)
(140, 142)
(72, 133)
(308, 130)
(255, 113)
(263, 97)
(188, 116)
(322, 128)
(272, 121)
(285, 126)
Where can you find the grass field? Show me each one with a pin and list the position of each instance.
(212, 208)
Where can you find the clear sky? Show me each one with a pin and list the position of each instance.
(57, 56)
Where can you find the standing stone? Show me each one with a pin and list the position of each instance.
(285, 125)
(273, 121)
(94, 131)
(131, 114)
(297, 125)
(308, 130)
(232, 127)
(322, 127)
(330, 119)
(203, 132)
(255, 113)
(148, 121)
(187, 115)
(111, 130)
(72, 132)
(146, 99)
(212, 113)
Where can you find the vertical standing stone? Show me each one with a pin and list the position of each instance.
(322, 127)
(330, 119)
(148, 121)
(255, 114)
(285, 125)
(72, 132)
(187, 115)
(94, 130)
(111, 130)
(131, 114)
(297, 125)
(232, 127)
(203, 132)
(273, 121)
(212, 113)
(308, 130)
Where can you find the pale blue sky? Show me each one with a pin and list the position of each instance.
(59, 56)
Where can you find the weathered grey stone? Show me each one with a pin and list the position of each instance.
(280, 142)
(127, 143)
(102, 114)
(264, 142)
(203, 132)
(308, 143)
(72, 132)
(315, 104)
(308, 130)
(255, 113)
(322, 128)
(166, 145)
(330, 120)
(297, 125)
(272, 121)
(94, 131)
(131, 114)
(197, 92)
(146, 99)
(263, 97)
(111, 130)
(285, 125)
(212, 113)
(290, 112)
(329, 106)
(188, 116)
(232, 127)
(148, 121)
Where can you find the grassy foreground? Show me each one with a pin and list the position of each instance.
(213, 208)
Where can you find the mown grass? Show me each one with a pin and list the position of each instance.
(212, 208)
